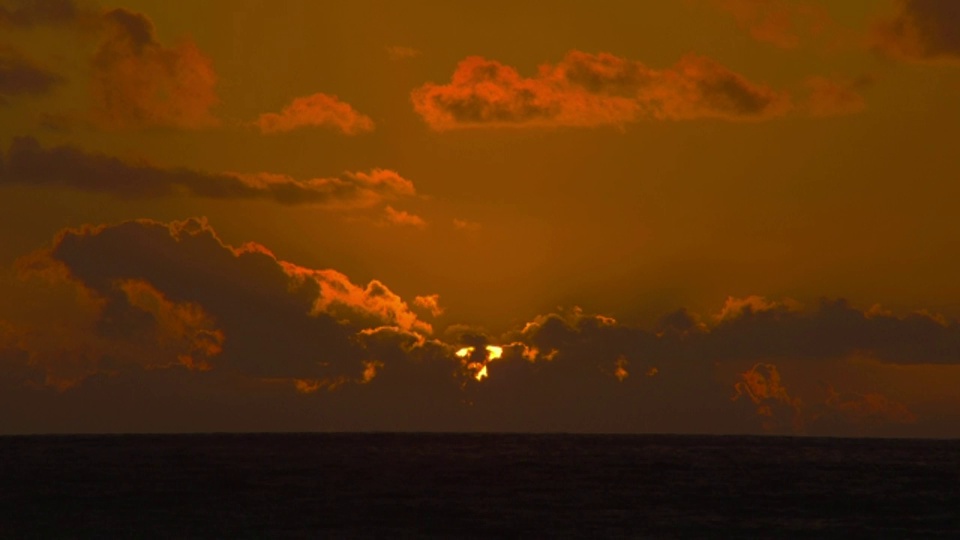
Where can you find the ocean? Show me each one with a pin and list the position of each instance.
(386, 485)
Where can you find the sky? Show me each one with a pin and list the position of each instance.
(701, 216)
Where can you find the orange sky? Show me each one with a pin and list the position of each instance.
(729, 216)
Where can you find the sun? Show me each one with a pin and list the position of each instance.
(480, 368)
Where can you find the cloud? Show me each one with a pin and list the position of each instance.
(762, 385)
(21, 76)
(397, 52)
(829, 97)
(75, 332)
(686, 358)
(26, 13)
(229, 328)
(317, 110)
(137, 82)
(589, 90)
(782, 23)
(835, 413)
(466, 225)
(178, 291)
(430, 303)
(870, 408)
(921, 30)
(29, 163)
(404, 218)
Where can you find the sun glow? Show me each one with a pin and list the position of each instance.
(479, 367)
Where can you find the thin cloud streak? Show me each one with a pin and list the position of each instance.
(29, 163)
(592, 90)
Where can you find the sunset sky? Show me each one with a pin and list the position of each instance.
(703, 216)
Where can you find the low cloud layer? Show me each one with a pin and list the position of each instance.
(29, 163)
(589, 90)
(317, 110)
(171, 310)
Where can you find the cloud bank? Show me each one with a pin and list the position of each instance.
(168, 310)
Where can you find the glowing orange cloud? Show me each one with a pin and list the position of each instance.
(734, 307)
(317, 110)
(402, 217)
(589, 90)
(84, 334)
(621, 372)
(430, 303)
(184, 324)
(763, 386)
(375, 300)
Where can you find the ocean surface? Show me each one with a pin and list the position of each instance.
(476, 485)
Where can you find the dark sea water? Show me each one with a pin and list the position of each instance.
(476, 485)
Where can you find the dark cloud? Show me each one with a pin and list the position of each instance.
(173, 312)
(27, 162)
(754, 330)
(20, 76)
(26, 13)
(921, 30)
(160, 295)
(138, 82)
(592, 90)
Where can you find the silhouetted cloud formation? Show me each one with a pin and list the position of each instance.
(755, 331)
(921, 30)
(592, 90)
(170, 309)
(27, 162)
(215, 306)
(21, 76)
(317, 110)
